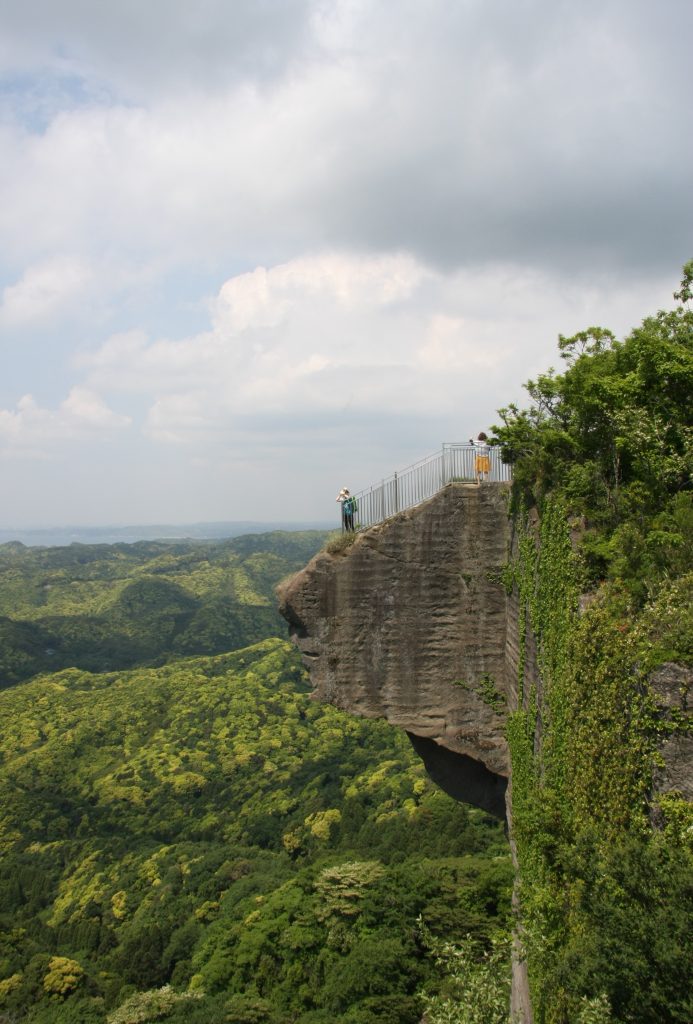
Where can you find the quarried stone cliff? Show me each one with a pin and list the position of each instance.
(410, 623)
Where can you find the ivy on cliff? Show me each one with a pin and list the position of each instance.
(603, 578)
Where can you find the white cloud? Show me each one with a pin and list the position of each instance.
(164, 45)
(319, 383)
(45, 291)
(407, 203)
(448, 350)
(329, 335)
(32, 431)
(460, 134)
(83, 409)
(264, 298)
(179, 419)
(295, 352)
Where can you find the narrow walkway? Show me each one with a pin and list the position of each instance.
(421, 481)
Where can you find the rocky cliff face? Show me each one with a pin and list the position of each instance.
(411, 623)
(671, 686)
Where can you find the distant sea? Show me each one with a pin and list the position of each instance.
(59, 536)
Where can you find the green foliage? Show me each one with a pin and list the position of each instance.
(204, 826)
(143, 1007)
(341, 889)
(606, 902)
(107, 607)
(476, 987)
(594, 1011)
(63, 977)
(613, 435)
(604, 454)
(249, 1010)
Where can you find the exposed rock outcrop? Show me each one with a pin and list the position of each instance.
(671, 685)
(410, 623)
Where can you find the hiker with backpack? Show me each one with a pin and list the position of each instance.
(349, 506)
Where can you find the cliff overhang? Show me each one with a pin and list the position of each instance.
(411, 623)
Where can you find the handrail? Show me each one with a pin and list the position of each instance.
(423, 479)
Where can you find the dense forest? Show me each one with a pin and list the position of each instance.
(193, 838)
(105, 607)
(604, 508)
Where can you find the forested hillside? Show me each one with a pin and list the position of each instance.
(206, 825)
(602, 490)
(186, 836)
(102, 607)
(194, 839)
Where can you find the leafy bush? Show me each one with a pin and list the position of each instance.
(143, 1007)
(476, 982)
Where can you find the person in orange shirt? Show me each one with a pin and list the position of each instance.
(482, 459)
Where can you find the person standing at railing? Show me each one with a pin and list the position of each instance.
(348, 509)
(482, 457)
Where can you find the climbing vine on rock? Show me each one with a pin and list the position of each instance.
(602, 580)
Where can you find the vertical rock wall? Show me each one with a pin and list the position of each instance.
(410, 624)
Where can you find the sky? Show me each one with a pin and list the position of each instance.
(253, 251)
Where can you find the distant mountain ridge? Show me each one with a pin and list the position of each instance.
(59, 536)
(106, 607)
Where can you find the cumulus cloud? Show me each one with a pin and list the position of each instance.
(45, 291)
(345, 227)
(313, 371)
(332, 338)
(31, 430)
(262, 298)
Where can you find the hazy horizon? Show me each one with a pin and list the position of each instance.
(63, 535)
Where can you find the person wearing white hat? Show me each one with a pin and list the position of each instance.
(347, 509)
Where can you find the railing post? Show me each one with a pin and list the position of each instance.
(396, 495)
(443, 474)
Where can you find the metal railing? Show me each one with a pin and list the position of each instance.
(421, 481)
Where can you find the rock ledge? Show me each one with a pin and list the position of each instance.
(410, 623)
